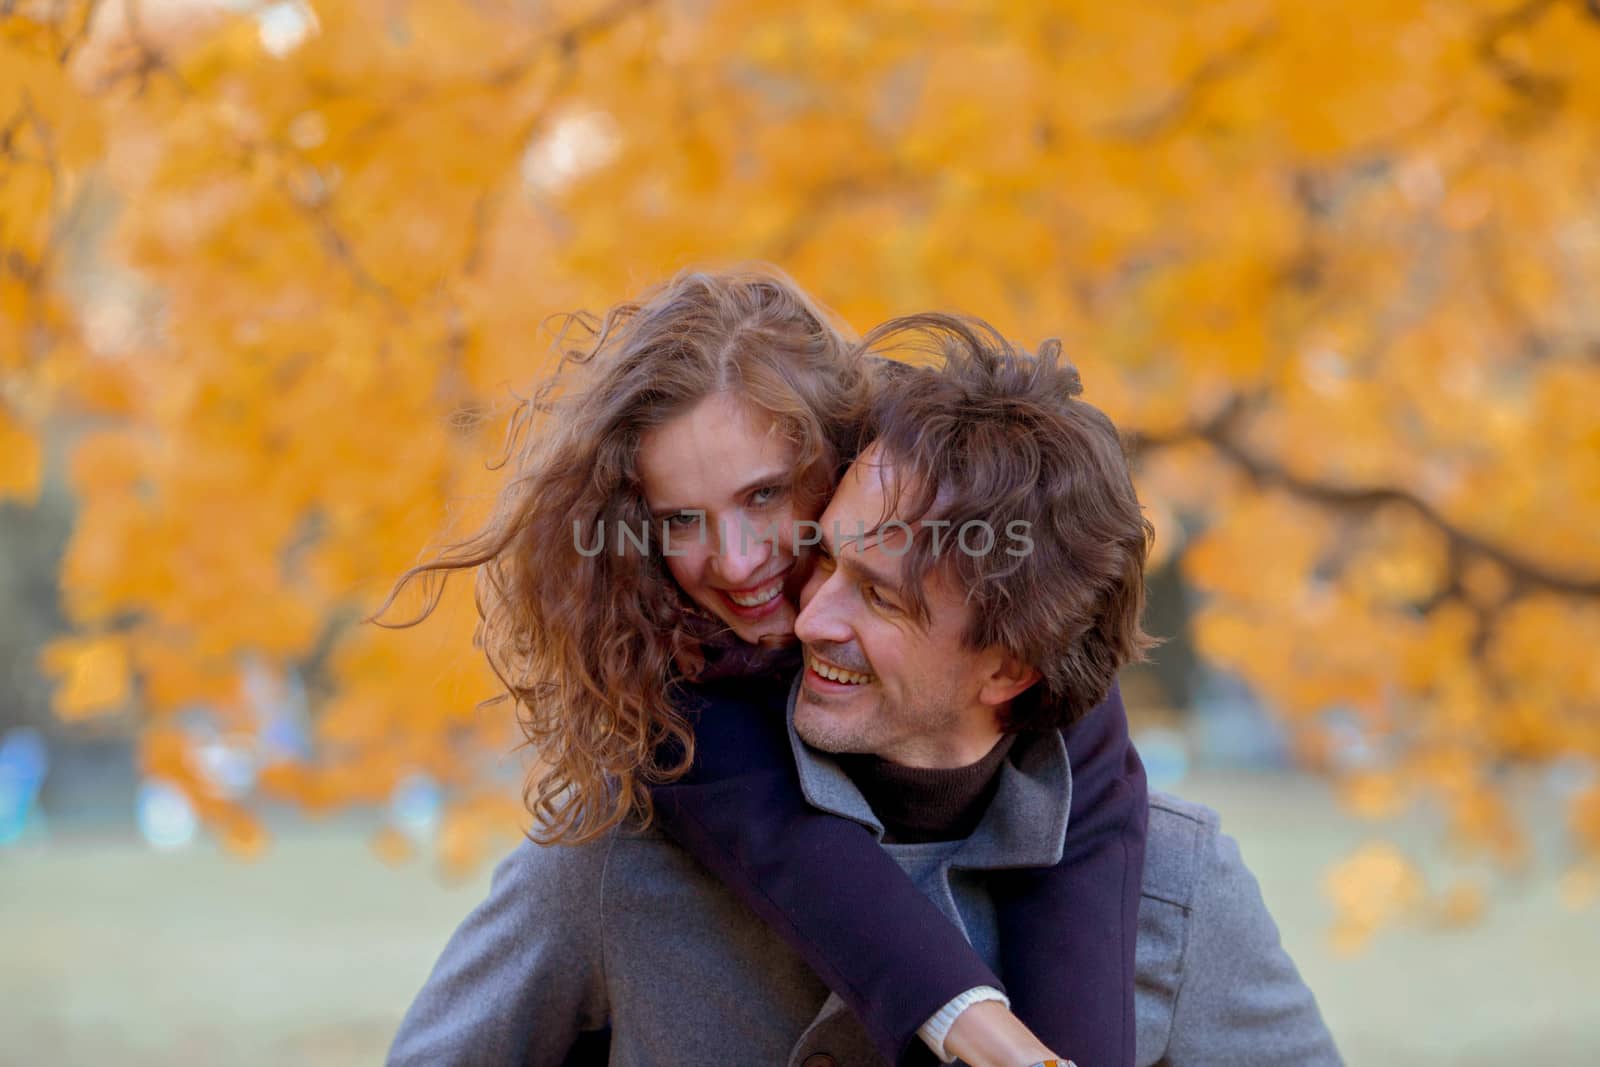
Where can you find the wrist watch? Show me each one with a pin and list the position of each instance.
(1055, 1063)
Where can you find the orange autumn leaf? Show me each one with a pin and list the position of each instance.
(19, 460)
(93, 675)
(392, 847)
(1371, 888)
(241, 833)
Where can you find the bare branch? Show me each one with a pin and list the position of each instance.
(79, 35)
(1540, 89)
(1220, 433)
(566, 40)
(1173, 112)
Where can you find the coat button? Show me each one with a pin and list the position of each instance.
(821, 1059)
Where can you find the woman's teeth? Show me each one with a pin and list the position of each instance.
(837, 674)
(759, 596)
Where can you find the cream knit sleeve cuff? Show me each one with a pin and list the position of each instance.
(936, 1029)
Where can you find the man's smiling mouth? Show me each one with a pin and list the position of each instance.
(828, 671)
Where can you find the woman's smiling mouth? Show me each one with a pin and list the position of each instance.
(756, 601)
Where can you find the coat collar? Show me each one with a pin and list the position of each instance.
(1025, 826)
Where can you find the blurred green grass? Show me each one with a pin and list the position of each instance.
(110, 953)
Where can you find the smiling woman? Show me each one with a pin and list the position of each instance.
(648, 522)
(719, 479)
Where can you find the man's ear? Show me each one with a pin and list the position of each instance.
(1006, 678)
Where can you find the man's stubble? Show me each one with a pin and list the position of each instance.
(882, 729)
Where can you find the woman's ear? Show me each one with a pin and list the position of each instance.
(1006, 678)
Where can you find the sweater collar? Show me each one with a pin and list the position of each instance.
(1025, 824)
(923, 804)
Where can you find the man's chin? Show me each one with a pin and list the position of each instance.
(825, 704)
(822, 740)
(819, 724)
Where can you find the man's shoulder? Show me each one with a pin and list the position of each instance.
(556, 872)
(576, 882)
(582, 873)
(1205, 932)
(1196, 883)
(1180, 848)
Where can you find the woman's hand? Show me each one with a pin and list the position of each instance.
(988, 1035)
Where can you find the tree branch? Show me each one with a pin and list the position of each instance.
(566, 40)
(1181, 104)
(1220, 433)
(1537, 88)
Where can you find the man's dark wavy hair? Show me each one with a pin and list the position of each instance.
(984, 431)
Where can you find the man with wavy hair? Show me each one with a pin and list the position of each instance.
(980, 583)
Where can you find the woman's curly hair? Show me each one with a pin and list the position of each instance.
(586, 644)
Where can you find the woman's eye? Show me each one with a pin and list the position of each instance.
(684, 519)
(766, 494)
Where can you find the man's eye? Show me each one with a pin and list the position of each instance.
(877, 600)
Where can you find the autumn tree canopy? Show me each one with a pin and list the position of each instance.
(1331, 265)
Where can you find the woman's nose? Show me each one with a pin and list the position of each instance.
(741, 553)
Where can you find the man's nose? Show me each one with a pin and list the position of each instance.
(822, 618)
(742, 551)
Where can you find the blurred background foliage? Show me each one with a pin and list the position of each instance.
(271, 274)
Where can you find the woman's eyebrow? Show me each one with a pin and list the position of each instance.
(766, 478)
(760, 481)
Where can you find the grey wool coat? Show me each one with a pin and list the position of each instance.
(632, 932)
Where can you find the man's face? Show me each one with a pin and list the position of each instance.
(876, 679)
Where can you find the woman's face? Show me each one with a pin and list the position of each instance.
(719, 480)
